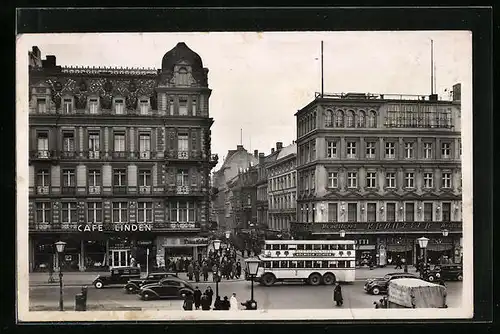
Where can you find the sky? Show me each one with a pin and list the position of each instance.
(260, 80)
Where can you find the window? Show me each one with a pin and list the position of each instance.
(409, 150)
(390, 150)
(94, 212)
(183, 77)
(372, 119)
(119, 176)
(94, 142)
(119, 107)
(428, 180)
(427, 212)
(332, 212)
(171, 106)
(446, 180)
(371, 178)
(446, 209)
(120, 212)
(144, 212)
(144, 107)
(351, 149)
(391, 212)
(67, 106)
(333, 179)
(183, 142)
(144, 143)
(144, 178)
(331, 149)
(371, 212)
(361, 119)
(352, 180)
(68, 212)
(93, 106)
(427, 150)
(119, 142)
(193, 107)
(409, 212)
(460, 148)
(43, 144)
(350, 119)
(390, 179)
(182, 177)
(68, 142)
(42, 178)
(94, 177)
(352, 212)
(339, 119)
(370, 150)
(445, 150)
(183, 110)
(68, 178)
(41, 105)
(328, 118)
(43, 212)
(409, 180)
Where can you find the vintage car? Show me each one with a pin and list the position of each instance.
(170, 287)
(380, 284)
(134, 285)
(117, 276)
(446, 272)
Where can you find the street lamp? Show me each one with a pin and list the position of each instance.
(445, 233)
(342, 233)
(60, 249)
(252, 268)
(422, 242)
(216, 247)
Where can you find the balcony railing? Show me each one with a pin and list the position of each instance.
(144, 189)
(182, 190)
(120, 190)
(183, 155)
(42, 154)
(94, 190)
(376, 227)
(68, 190)
(42, 190)
(144, 155)
(94, 155)
(67, 154)
(120, 155)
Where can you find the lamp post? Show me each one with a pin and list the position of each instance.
(216, 247)
(445, 234)
(60, 249)
(422, 242)
(252, 266)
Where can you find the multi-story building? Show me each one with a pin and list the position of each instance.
(119, 161)
(384, 169)
(243, 190)
(262, 185)
(282, 189)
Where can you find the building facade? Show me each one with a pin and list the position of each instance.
(243, 198)
(119, 162)
(384, 169)
(282, 189)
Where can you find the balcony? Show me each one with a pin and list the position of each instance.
(121, 155)
(183, 155)
(42, 155)
(377, 227)
(144, 190)
(182, 190)
(144, 155)
(68, 190)
(67, 155)
(185, 191)
(94, 155)
(42, 190)
(120, 190)
(94, 190)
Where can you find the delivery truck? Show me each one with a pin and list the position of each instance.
(415, 293)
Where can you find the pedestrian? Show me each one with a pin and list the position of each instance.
(233, 302)
(190, 271)
(398, 263)
(205, 271)
(217, 304)
(188, 303)
(181, 264)
(337, 295)
(197, 297)
(225, 304)
(210, 293)
(205, 303)
(197, 272)
(238, 270)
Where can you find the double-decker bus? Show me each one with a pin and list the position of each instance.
(314, 262)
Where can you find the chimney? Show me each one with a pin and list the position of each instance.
(457, 92)
(279, 146)
(239, 147)
(433, 97)
(261, 158)
(256, 153)
(272, 150)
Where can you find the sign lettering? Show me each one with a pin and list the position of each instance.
(115, 227)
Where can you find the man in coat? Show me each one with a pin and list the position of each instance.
(238, 269)
(210, 293)
(188, 303)
(197, 272)
(197, 298)
(205, 303)
(337, 295)
(205, 271)
(190, 271)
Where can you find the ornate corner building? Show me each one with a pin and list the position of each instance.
(119, 160)
(385, 169)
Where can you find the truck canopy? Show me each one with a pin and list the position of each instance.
(416, 293)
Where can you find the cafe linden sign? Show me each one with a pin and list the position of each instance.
(141, 227)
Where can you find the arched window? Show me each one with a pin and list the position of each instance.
(350, 119)
(361, 119)
(339, 119)
(372, 119)
(183, 77)
(328, 118)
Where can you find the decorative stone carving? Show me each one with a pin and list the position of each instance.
(81, 101)
(131, 102)
(82, 85)
(106, 101)
(108, 86)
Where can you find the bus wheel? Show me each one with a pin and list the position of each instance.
(328, 279)
(315, 279)
(268, 279)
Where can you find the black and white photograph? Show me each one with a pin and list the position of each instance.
(244, 176)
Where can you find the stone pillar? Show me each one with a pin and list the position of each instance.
(362, 178)
(131, 141)
(80, 141)
(343, 148)
(81, 265)
(381, 151)
(418, 152)
(106, 142)
(400, 178)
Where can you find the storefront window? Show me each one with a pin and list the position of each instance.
(95, 255)
(43, 255)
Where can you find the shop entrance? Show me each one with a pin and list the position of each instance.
(120, 258)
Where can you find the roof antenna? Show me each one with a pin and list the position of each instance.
(322, 77)
(241, 136)
(432, 67)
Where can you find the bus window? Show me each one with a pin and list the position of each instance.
(316, 247)
(284, 264)
(276, 264)
(325, 247)
(324, 264)
(300, 247)
(334, 247)
(309, 247)
(341, 247)
(332, 264)
(317, 264)
(276, 247)
(341, 264)
(284, 247)
(300, 264)
(308, 264)
(293, 264)
(350, 247)
(267, 264)
(268, 247)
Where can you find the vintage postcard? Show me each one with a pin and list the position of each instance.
(244, 176)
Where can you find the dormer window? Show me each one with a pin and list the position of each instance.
(183, 110)
(144, 107)
(41, 105)
(67, 106)
(93, 106)
(119, 107)
(183, 77)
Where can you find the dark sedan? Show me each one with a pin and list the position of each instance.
(134, 285)
(380, 284)
(446, 272)
(170, 287)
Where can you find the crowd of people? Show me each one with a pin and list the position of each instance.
(205, 299)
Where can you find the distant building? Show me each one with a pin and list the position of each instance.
(385, 169)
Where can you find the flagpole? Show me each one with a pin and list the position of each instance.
(322, 77)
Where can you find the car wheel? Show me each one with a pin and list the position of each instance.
(130, 289)
(438, 275)
(460, 277)
(375, 290)
(315, 279)
(98, 285)
(146, 296)
(430, 278)
(268, 279)
(328, 279)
